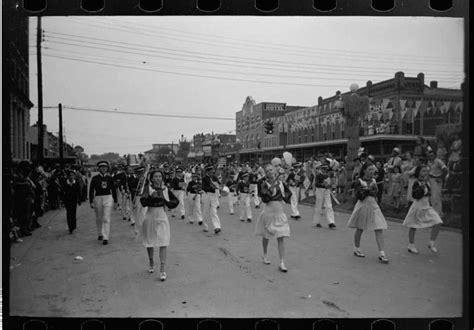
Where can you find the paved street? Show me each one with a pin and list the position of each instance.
(223, 276)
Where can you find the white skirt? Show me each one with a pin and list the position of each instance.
(272, 222)
(367, 215)
(422, 215)
(155, 229)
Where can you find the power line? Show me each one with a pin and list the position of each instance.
(191, 60)
(196, 75)
(187, 52)
(148, 64)
(259, 44)
(145, 114)
(260, 62)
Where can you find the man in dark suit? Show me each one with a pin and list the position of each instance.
(71, 197)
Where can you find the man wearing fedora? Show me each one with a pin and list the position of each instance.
(102, 197)
(210, 186)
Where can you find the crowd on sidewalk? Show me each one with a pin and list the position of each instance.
(36, 190)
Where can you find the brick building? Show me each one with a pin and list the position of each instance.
(400, 110)
(15, 77)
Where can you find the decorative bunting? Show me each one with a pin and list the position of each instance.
(403, 104)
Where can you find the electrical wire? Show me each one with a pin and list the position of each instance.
(188, 55)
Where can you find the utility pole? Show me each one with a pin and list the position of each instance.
(39, 36)
(61, 144)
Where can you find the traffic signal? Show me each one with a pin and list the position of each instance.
(268, 127)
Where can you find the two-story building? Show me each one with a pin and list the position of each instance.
(400, 110)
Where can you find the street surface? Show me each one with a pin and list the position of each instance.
(223, 275)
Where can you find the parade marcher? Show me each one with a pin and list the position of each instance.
(294, 182)
(136, 212)
(367, 214)
(253, 179)
(396, 186)
(272, 221)
(102, 196)
(379, 179)
(23, 198)
(123, 193)
(210, 185)
(195, 189)
(232, 196)
(119, 178)
(323, 203)
(154, 232)
(438, 171)
(243, 191)
(178, 186)
(421, 214)
(72, 197)
(131, 190)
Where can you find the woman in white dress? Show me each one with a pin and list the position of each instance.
(421, 214)
(154, 232)
(273, 222)
(367, 214)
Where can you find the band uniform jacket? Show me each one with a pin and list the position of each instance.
(157, 199)
(132, 184)
(267, 195)
(102, 185)
(295, 180)
(319, 180)
(194, 187)
(207, 184)
(362, 190)
(177, 184)
(243, 187)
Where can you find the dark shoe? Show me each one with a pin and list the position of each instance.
(100, 238)
(132, 224)
(332, 226)
(257, 206)
(218, 207)
(249, 220)
(172, 215)
(105, 242)
(318, 225)
(200, 223)
(182, 217)
(217, 230)
(297, 217)
(70, 231)
(383, 259)
(292, 216)
(242, 220)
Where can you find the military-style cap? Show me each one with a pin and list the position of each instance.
(209, 167)
(139, 169)
(179, 170)
(166, 165)
(103, 163)
(244, 174)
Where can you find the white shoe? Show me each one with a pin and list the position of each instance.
(163, 276)
(433, 248)
(412, 250)
(282, 267)
(266, 261)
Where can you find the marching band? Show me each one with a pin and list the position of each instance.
(147, 192)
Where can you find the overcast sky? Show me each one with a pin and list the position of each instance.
(207, 66)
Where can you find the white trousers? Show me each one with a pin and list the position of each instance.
(209, 201)
(254, 191)
(231, 199)
(323, 206)
(245, 211)
(180, 196)
(103, 209)
(195, 202)
(294, 201)
(125, 203)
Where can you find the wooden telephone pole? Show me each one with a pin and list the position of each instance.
(61, 142)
